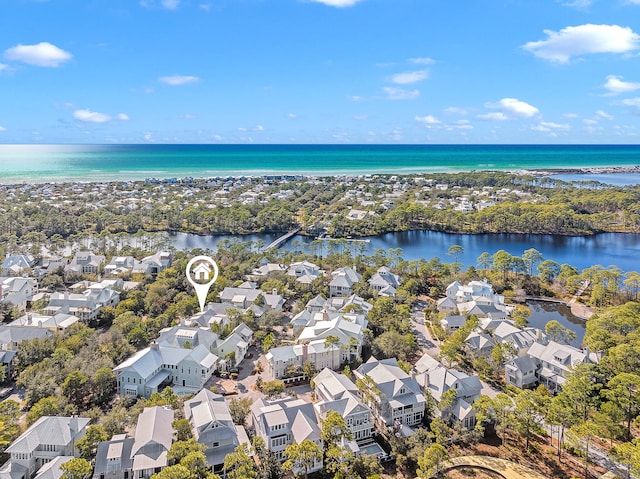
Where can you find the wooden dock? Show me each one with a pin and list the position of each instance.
(283, 239)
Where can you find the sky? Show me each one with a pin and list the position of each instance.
(320, 71)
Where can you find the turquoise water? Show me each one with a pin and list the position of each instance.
(38, 163)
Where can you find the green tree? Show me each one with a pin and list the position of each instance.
(624, 391)
(181, 449)
(88, 445)
(528, 414)
(268, 342)
(334, 429)
(9, 422)
(240, 409)
(485, 261)
(585, 432)
(429, 464)
(557, 332)
(47, 406)
(239, 465)
(177, 471)
(74, 387)
(273, 389)
(183, 429)
(76, 469)
(548, 270)
(455, 250)
(301, 457)
(561, 413)
(531, 257)
(103, 385)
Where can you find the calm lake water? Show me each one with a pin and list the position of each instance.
(542, 313)
(622, 250)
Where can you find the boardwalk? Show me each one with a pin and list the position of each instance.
(283, 239)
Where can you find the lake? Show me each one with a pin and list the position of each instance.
(543, 312)
(620, 249)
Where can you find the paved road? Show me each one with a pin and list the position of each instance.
(428, 344)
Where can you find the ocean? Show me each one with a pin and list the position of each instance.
(43, 163)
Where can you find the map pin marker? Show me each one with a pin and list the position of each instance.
(205, 269)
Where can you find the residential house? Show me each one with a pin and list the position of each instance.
(304, 271)
(342, 282)
(553, 361)
(6, 360)
(477, 297)
(336, 392)
(57, 322)
(154, 264)
(435, 378)
(85, 262)
(246, 296)
(86, 305)
(52, 470)
(452, 322)
(384, 282)
(398, 401)
(266, 270)
(210, 419)
(46, 439)
(120, 265)
(153, 368)
(114, 459)
(16, 264)
(152, 441)
(283, 422)
(17, 291)
(521, 372)
(311, 345)
(12, 336)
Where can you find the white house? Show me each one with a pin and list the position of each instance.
(435, 378)
(399, 400)
(312, 346)
(210, 419)
(152, 441)
(283, 422)
(114, 459)
(304, 272)
(247, 296)
(86, 305)
(46, 439)
(57, 322)
(342, 282)
(84, 262)
(16, 264)
(336, 392)
(153, 368)
(17, 291)
(384, 282)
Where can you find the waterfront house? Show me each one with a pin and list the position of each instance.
(342, 282)
(384, 282)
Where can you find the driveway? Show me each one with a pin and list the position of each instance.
(428, 344)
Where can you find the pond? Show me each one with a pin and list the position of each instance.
(543, 312)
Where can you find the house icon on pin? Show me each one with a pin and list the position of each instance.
(201, 272)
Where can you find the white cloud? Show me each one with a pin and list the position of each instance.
(175, 80)
(89, 116)
(2, 128)
(616, 85)
(571, 115)
(454, 110)
(493, 116)
(407, 78)
(338, 3)
(356, 98)
(3, 68)
(422, 61)
(170, 4)
(604, 114)
(394, 93)
(123, 117)
(634, 2)
(361, 117)
(258, 128)
(148, 136)
(187, 116)
(292, 115)
(427, 120)
(546, 126)
(43, 54)
(205, 6)
(590, 121)
(634, 103)
(510, 108)
(578, 3)
(584, 39)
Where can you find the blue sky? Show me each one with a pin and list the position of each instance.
(320, 71)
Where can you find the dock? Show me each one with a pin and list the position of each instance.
(283, 239)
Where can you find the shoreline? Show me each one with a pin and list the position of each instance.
(187, 180)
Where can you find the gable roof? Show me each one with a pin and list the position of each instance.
(154, 426)
(52, 430)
